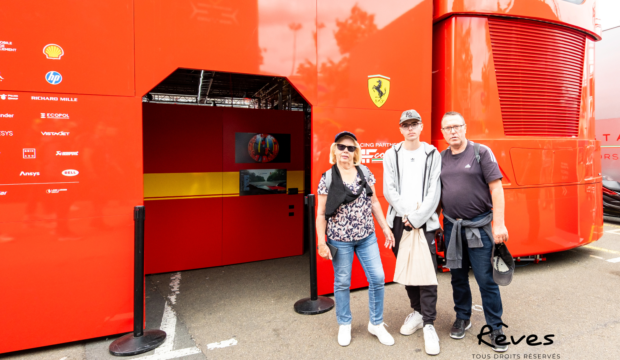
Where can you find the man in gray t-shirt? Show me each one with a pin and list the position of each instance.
(471, 189)
(465, 182)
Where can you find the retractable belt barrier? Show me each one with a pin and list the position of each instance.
(140, 341)
(314, 304)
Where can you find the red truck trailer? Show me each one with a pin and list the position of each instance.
(80, 144)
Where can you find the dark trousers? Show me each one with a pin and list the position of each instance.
(480, 261)
(423, 298)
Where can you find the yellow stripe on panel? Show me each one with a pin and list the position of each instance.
(295, 179)
(231, 183)
(182, 184)
(175, 186)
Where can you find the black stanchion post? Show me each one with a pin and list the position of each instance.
(139, 341)
(314, 304)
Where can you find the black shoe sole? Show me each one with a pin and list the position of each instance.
(458, 338)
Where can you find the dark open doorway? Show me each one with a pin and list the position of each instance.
(226, 166)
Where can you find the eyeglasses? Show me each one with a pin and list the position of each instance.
(455, 128)
(342, 147)
(411, 126)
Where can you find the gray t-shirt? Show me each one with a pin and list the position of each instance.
(465, 190)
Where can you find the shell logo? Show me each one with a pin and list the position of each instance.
(53, 51)
(70, 172)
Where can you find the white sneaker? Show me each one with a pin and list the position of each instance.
(431, 340)
(412, 323)
(381, 333)
(344, 335)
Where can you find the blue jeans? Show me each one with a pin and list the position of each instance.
(480, 261)
(367, 251)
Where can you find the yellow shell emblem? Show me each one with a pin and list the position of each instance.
(378, 89)
(53, 51)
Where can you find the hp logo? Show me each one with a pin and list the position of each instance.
(53, 77)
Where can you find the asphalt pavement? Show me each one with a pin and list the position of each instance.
(246, 312)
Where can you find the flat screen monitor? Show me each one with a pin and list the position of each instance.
(262, 148)
(262, 182)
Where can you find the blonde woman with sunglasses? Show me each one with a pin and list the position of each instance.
(347, 201)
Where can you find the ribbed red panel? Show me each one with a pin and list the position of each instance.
(539, 69)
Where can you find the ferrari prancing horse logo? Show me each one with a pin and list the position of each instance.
(378, 89)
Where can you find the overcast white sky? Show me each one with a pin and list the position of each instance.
(609, 13)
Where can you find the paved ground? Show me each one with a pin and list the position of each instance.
(246, 312)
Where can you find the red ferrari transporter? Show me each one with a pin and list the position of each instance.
(74, 73)
(524, 81)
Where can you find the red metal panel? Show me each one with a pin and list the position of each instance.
(357, 42)
(95, 38)
(67, 232)
(539, 70)
(68, 280)
(94, 135)
(243, 36)
(182, 138)
(540, 219)
(182, 234)
(259, 227)
(548, 226)
(579, 16)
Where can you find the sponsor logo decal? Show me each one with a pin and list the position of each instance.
(55, 191)
(53, 98)
(24, 173)
(7, 116)
(7, 46)
(30, 153)
(1, 78)
(52, 133)
(368, 155)
(3, 192)
(54, 116)
(53, 51)
(9, 97)
(372, 155)
(53, 77)
(467, 166)
(70, 172)
(6, 133)
(66, 153)
(378, 89)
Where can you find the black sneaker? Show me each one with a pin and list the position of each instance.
(459, 327)
(499, 348)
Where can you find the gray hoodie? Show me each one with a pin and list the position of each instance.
(432, 188)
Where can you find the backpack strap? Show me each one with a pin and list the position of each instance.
(476, 152)
(328, 175)
(328, 178)
(365, 171)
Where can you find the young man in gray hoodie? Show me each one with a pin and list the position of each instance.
(411, 171)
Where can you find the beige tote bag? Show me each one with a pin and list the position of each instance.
(414, 264)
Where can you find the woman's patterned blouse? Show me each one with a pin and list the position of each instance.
(352, 221)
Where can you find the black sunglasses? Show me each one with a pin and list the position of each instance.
(342, 147)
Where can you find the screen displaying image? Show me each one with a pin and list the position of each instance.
(262, 148)
(262, 182)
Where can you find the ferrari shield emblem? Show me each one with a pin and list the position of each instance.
(378, 89)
